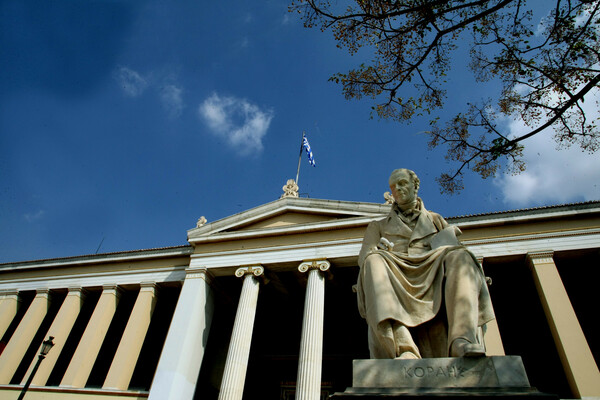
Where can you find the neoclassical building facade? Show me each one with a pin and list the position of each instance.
(261, 305)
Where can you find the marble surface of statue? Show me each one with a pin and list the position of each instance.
(422, 293)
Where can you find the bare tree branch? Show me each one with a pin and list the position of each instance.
(545, 68)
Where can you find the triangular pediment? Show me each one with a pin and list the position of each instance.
(289, 214)
(289, 218)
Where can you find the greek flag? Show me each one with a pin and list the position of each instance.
(309, 153)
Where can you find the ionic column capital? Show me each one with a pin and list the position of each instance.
(256, 270)
(321, 265)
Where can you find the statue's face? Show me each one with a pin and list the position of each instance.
(403, 188)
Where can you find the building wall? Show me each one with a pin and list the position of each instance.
(167, 315)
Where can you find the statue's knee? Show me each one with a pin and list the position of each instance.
(374, 258)
(460, 263)
(459, 257)
(373, 261)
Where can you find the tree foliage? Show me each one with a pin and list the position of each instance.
(546, 69)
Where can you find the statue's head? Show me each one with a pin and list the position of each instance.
(404, 185)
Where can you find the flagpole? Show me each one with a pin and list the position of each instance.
(300, 157)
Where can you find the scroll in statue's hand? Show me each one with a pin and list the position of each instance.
(385, 244)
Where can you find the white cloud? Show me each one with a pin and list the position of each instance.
(32, 217)
(170, 95)
(553, 176)
(242, 123)
(132, 83)
(162, 84)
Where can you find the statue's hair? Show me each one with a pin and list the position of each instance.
(413, 176)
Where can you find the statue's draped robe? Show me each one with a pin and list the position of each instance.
(415, 271)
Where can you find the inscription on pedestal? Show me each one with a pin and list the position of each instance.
(452, 371)
(484, 372)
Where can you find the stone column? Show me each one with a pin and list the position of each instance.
(234, 375)
(491, 336)
(122, 366)
(85, 355)
(21, 339)
(9, 301)
(573, 349)
(182, 353)
(60, 329)
(311, 344)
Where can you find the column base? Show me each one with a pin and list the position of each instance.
(451, 378)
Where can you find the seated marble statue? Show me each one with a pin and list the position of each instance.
(422, 293)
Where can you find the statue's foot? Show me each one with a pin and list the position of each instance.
(408, 355)
(463, 348)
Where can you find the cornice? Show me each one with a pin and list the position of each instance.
(531, 236)
(285, 230)
(125, 256)
(526, 215)
(97, 279)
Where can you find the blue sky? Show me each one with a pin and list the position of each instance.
(121, 123)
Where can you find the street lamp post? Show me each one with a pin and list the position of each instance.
(46, 346)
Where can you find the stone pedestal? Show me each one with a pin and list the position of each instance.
(497, 377)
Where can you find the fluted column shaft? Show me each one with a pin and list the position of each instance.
(60, 329)
(22, 337)
(573, 349)
(9, 301)
(85, 355)
(234, 375)
(311, 344)
(130, 346)
(181, 357)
